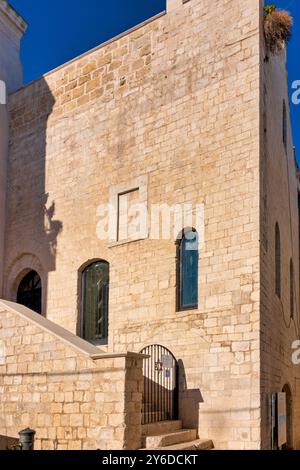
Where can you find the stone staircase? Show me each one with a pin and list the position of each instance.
(169, 435)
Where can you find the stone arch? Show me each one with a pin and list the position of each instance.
(21, 266)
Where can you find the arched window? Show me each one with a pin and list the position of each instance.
(284, 126)
(94, 312)
(30, 292)
(187, 270)
(277, 262)
(292, 291)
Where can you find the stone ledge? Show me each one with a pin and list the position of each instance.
(64, 335)
(41, 322)
(116, 355)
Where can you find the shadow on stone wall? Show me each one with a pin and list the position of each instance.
(159, 403)
(32, 229)
(189, 400)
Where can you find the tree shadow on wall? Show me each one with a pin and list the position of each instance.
(52, 227)
(32, 230)
(189, 400)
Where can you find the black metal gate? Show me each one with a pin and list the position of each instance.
(160, 398)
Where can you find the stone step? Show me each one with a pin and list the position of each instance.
(169, 439)
(198, 444)
(162, 427)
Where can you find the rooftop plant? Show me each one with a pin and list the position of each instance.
(277, 27)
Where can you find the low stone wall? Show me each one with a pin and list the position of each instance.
(8, 443)
(68, 391)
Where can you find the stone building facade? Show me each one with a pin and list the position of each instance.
(186, 108)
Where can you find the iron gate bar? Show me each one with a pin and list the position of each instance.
(160, 397)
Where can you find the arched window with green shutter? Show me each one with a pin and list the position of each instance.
(95, 296)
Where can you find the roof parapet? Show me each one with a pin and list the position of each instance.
(7, 10)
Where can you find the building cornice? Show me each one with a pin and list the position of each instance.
(9, 12)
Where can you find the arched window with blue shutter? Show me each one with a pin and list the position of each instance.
(187, 270)
(95, 296)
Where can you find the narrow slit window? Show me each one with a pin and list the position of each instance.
(284, 126)
(277, 262)
(292, 290)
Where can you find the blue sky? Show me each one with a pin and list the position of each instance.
(293, 6)
(62, 29)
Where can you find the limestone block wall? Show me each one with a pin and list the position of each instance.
(175, 101)
(72, 395)
(279, 203)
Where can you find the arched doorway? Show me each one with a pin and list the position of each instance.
(289, 417)
(30, 292)
(160, 397)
